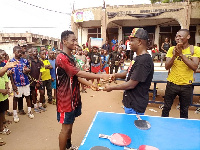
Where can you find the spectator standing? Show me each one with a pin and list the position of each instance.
(81, 62)
(182, 60)
(155, 52)
(122, 58)
(102, 60)
(113, 42)
(95, 62)
(114, 59)
(20, 82)
(53, 73)
(37, 67)
(164, 48)
(106, 46)
(46, 77)
(106, 66)
(128, 49)
(85, 48)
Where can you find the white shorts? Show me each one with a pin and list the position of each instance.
(22, 90)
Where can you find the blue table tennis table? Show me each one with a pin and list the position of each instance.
(161, 77)
(165, 133)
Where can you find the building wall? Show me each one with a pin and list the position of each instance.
(8, 47)
(174, 14)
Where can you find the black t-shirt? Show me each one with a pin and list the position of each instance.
(115, 56)
(95, 58)
(142, 70)
(166, 47)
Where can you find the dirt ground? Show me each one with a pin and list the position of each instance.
(41, 133)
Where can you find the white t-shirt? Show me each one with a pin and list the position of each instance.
(128, 46)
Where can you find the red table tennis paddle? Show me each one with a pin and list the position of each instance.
(142, 147)
(117, 139)
(99, 148)
(142, 124)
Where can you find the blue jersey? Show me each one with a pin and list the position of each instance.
(53, 70)
(19, 78)
(106, 61)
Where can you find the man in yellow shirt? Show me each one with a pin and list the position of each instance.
(182, 61)
(46, 76)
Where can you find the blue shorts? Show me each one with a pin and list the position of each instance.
(53, 84)
(69, 117)
(131, 111)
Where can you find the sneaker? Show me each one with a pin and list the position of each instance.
(15, 118)
(30, 115)
(197, 111)
(44, 105)
(37, 110)
(161, 106)
(73, 148)
(42, 108)
(54, 101)
(22, 112)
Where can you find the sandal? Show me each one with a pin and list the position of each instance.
(7, 122)
(5, 131)
(2, 143)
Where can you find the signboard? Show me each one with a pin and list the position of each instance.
(96, 42)
(78, 17)
(141, 13)
(83, 16)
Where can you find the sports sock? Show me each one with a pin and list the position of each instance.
(35, 105)
(40, 104)
(14, 112)
(29, 109)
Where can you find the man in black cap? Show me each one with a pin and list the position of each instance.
(138, 76)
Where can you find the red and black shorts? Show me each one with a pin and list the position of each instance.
(95, 68)
(69, 117)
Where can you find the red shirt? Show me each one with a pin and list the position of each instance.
(68, 91)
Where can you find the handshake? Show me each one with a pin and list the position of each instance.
(107, 78)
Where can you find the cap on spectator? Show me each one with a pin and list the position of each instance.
(139, 33)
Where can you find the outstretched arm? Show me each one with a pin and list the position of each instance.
(7, 66)
(131, 84)
(88, 75)
(120, 75)
(85, 82)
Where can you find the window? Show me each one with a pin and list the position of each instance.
(94, 32)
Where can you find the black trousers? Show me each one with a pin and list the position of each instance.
(112, 67)
(47, 84)
(184, 92)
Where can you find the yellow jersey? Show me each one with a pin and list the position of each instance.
(3, 81)
(180, 73)
(45, 72)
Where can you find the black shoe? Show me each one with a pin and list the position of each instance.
(22, 112)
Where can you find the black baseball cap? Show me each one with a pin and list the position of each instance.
(139, 33)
